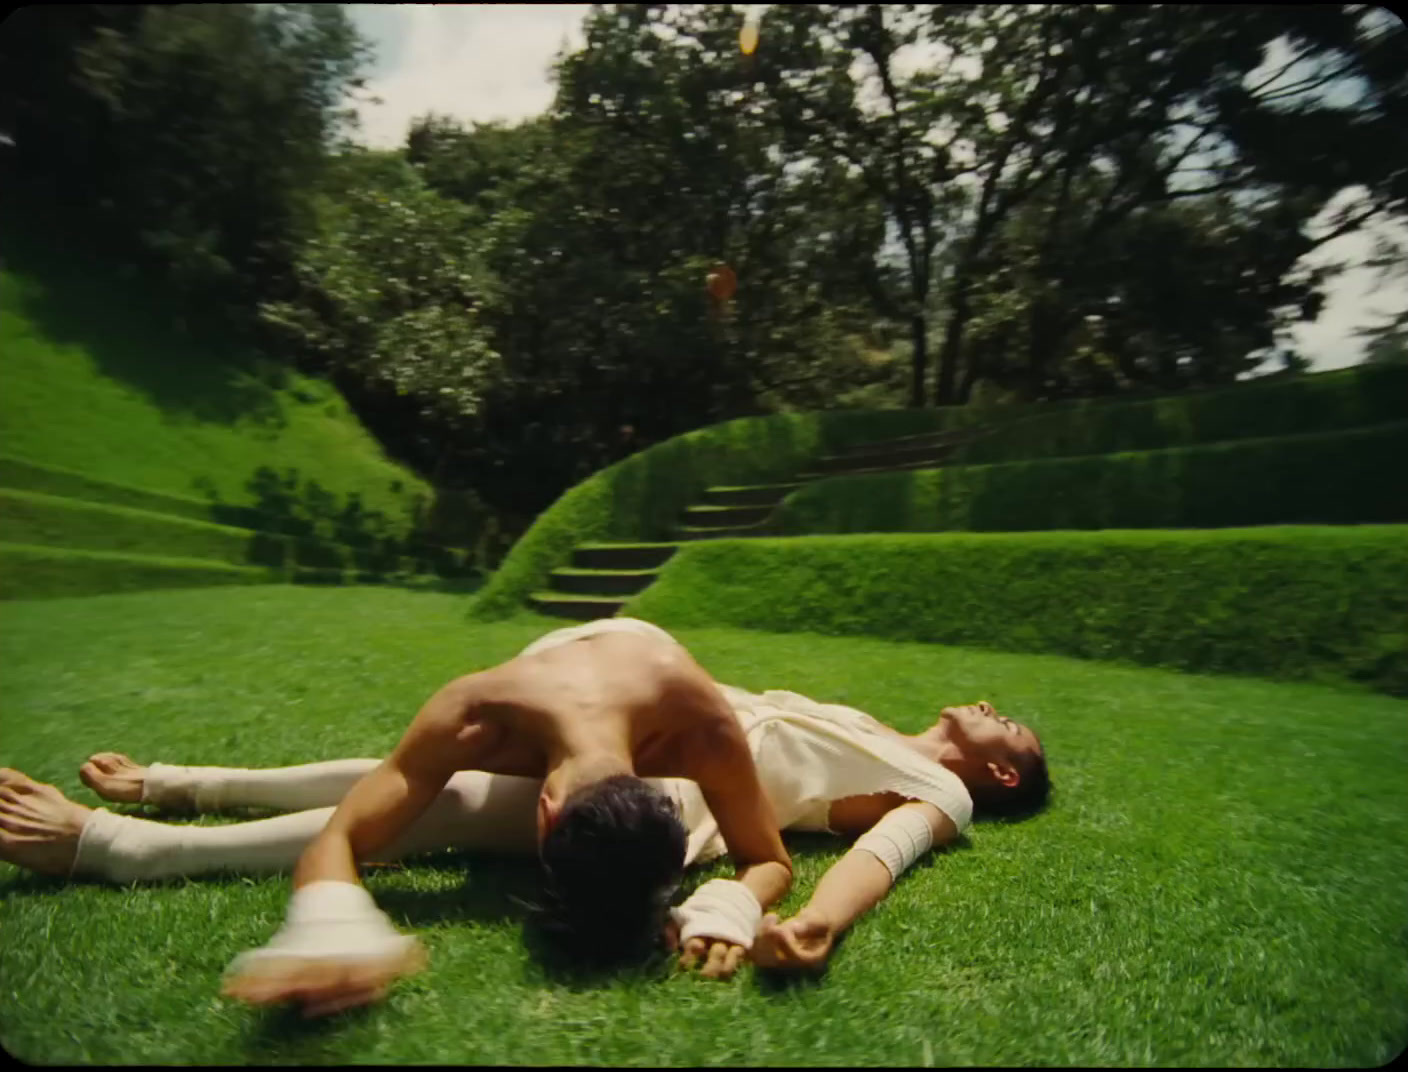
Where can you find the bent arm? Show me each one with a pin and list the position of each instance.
(723, 768)
(389, 799)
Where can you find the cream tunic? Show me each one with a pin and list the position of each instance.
(808, 756)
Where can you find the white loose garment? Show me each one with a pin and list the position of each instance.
(808, 755)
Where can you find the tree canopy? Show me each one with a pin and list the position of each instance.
(918, 202)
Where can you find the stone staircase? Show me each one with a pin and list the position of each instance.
(602, 577)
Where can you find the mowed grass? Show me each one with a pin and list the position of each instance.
(99, 377)
(1222, 878)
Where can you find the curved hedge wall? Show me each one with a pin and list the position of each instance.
(1323, 402)
(1347, 477)
(1317, 603)
(642, 497)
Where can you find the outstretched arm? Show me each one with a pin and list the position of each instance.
(328, 971)
(854, 884)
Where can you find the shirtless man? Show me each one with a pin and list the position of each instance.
(589, 716)
(825, 767)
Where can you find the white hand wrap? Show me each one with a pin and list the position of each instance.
(722, 909)
(330, 921)
(898, 839)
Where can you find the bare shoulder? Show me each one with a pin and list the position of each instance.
(705, 732)
(451, 729)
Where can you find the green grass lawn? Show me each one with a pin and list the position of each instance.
(98, 378)
(1222, 878)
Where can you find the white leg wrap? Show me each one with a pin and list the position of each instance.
(475, 810)
(308, 785)
(898, 839)
(722, 909)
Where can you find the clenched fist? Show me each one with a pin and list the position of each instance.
(802, 943)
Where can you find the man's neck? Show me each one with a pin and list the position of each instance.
(568, 771)
(933, 746)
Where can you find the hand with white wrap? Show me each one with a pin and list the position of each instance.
(720, 917)
(335, 950)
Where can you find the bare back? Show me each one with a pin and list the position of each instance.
(645, 693)
(649, 693)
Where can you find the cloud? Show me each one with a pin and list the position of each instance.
(476, 62)
(1358, 298)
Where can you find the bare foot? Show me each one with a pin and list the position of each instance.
(39, 826)
(114, 777)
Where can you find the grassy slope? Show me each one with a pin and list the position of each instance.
(96, 378)
(1221, 879)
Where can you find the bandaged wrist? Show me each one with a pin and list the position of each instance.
(722, 909)
(330, 921)
(898, 839)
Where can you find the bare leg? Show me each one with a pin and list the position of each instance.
(475, 811)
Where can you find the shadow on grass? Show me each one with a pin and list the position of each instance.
(133, 332)
(297, 523)
(499, 889)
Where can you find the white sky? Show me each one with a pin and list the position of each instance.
(481, 62)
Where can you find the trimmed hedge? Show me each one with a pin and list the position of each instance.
(47, 573)
(30, 476)
(28, 572)
(1348, 477)
(1309, 603)
(36, 519)
(315, 545)
(50, 521)
(641, 497)
(1323, 402)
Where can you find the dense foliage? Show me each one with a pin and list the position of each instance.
(920, 203)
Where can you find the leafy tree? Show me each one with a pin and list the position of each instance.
(193, 132)
(391, 294)
(1121, 109)
(601, 223)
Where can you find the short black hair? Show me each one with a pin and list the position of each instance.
(613, 859)
(1029, 796)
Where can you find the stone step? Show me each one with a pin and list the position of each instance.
(758, 495)
(844, 463)
(877, 469)
(725, 516)
(578, 608)
(688, 532)
(953, 437)
(623, 556)
(601, 582)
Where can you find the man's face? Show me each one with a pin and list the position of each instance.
(983, 733)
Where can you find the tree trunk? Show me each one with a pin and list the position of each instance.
(953, 342)
(918, 331)
(970, 377)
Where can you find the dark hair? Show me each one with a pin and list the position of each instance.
(614, 858)
(1025, 799)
